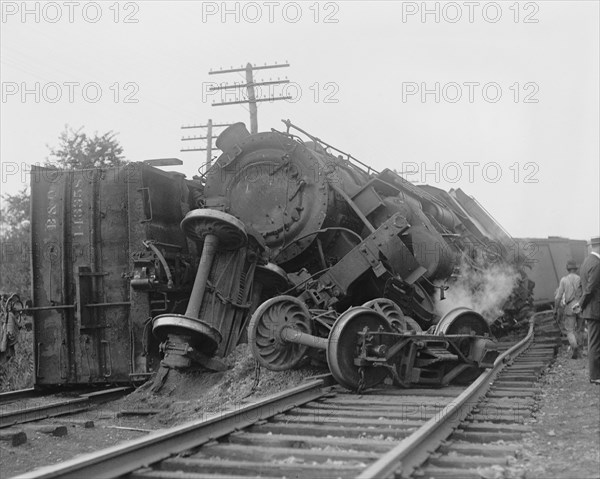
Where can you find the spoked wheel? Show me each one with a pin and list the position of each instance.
(345, 344)
(394, 315)
(266, 333)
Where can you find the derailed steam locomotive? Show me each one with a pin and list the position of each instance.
(291, 245)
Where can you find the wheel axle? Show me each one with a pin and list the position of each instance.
(180, 332)
(367, 343)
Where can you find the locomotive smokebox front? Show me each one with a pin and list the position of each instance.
(277, 186)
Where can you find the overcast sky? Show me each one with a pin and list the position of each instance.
(499, 99)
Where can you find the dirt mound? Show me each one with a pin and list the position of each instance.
(193, 395)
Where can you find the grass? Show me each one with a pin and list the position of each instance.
(17, 372)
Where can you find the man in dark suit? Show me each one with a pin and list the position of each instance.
(590, 305)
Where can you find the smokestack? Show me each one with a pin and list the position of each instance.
(231, 137)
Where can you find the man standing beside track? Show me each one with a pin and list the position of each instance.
(567, 296)
(590, 304)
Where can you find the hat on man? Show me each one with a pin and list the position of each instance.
(594, 241)
(571, 265)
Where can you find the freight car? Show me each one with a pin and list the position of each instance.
(107, 255)
(286, 242)
(549, 257)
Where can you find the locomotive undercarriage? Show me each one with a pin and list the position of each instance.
(365, 344)
(361, 345)
(354, 255)
(136, 268)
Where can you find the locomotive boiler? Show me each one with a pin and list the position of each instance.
(350, 258)
(286, 243)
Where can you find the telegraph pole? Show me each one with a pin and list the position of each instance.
(209, 139)
(252, 100)
(250, 88)
(209, 144)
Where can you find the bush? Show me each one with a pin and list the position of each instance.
(17, 372)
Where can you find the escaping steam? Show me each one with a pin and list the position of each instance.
(483, 290)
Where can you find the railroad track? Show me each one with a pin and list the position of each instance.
(321, 430)
(12, 396)
(29, 405)
(491, 433)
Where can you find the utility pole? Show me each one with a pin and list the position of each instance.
(209, 139)
(252, 100)
(250, 88)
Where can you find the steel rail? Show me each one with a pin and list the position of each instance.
(412, 451)
(19, 416)
(59, 408)
(129, 456)
(19, 394)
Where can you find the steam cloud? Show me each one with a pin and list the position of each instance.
(485, 291)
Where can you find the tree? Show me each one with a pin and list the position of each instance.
(15, 211)
(76, 150)
(15, 241)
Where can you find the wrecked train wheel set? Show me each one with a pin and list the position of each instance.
(318, 429)
(287, 243)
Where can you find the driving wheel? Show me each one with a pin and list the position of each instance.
(394, 315)
(269, 327)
